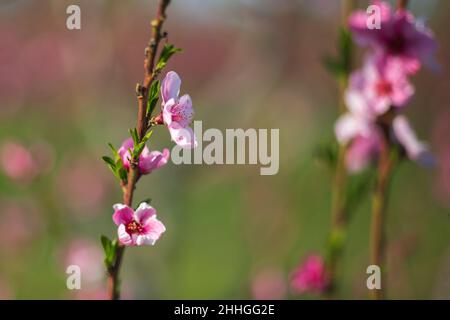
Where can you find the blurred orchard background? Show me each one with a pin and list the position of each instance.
(231, 233)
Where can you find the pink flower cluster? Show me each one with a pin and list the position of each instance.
(310, 276)
(140, 227)
(177, 114)
(397, 50)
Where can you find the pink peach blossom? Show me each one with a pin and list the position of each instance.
(136, 228)
(399, 37)
(148, 160)
(177, 112)
(310, 276)
(380, 84)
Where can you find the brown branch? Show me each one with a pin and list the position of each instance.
(142, 91)
(339, 183)
(379, 203)
(402, 4)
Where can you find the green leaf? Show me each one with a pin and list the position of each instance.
(327, 154)
(134, 135)
(106, 243)
(147, 136)
(345, 49)
(333, 66)
(153, 97)
(340, 66)
(358, 187)
(166, 53)
(114, 151)
(123, 174)
(111, 165)
(109, 161)
(137, 150)
(109, 247)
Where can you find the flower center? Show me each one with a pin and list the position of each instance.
(181, 114)
(134, 227)
(383, 88)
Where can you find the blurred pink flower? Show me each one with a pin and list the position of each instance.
(415, 149)
(17, 162)
(364, 139)
(400, 37)
(363, 151)
(148, 160)
(136, 228)
(310, 276)
(88, 256)
(21, 225)
(83, 185)
(269, 285)
(22, 164)
(380, 84)
(177, 112)
(350, 125)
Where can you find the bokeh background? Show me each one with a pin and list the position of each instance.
(231, 233)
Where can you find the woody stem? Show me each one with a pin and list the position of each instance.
(142, 127)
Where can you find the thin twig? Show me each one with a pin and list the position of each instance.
(386, 165)
(339, 184)
(142, 127)
(379, 203)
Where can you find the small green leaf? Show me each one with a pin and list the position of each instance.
(166, 53)
(123, 174)
(109, 161)
(327, 154)
(358, 187)
(333, 66)
(106, 243)
(137, 150)
(147, 136)
(153, 97)
(134, 135)
(340, 66)
(109, 247)
(114, 151)
(345, 49)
